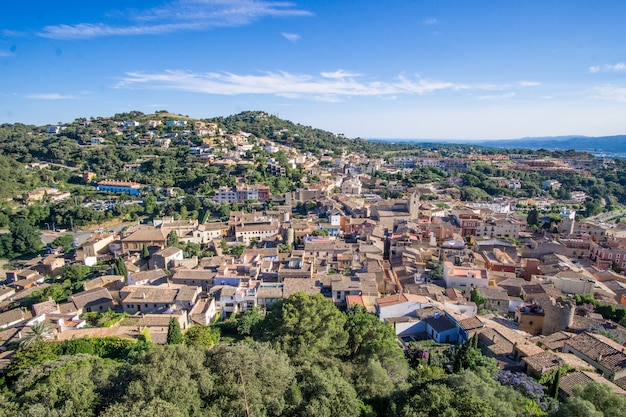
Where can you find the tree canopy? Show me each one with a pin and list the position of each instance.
(279, 368)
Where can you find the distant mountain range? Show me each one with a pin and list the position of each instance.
(597, 144)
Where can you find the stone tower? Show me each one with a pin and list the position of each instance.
(414, 205)
(558, 314)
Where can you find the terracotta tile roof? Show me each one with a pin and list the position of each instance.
(621, 383)
(556, 340)
(306, 285)
(599, 348)
(266, 291)
(97, 295)
(256, 227)
(440, 324)
(44, 307)
(494, 293)
(168, 251)
(149, 275)
(102, 281)
(354, 299)
(146, 234)
(391, 300)
(573, 379)
(11, 316)
(199, 274)
(495, 342)
(471, 323)
(147, 294)
(547, 361)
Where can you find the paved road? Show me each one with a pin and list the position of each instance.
(80, 236)
(605, 217)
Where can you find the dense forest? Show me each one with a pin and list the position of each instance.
(303, 358)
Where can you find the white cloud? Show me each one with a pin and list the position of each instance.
(619, 67)
(180, 15)
(291, 37)
(529, 83)
(340, 74)
(610, 92)
(327, 86)
(503, 87)
(430, 21)
(86, 31)
(50, 96)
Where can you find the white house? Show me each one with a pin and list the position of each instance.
(400, 305)
(464, 278)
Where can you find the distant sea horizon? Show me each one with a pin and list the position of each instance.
(600, 146)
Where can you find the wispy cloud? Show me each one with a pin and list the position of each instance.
(6, 54)
(291, 37)
(50, 96)
(430, 21)
(8, 33)
(326, 86)
(180, 15)
(619, 67)
(529, 83)
(508, 86)
(610, 92)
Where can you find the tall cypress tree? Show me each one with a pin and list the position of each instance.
(475, 341)
(554, 388)
(120, 269)
(174, 335)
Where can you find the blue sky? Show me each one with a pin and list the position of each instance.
(371, 69)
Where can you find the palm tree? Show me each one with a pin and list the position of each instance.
(38, 332)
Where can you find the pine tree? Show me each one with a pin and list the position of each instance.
(145, 253)
(174, 335)
(533, 217)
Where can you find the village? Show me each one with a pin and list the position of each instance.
(433, 268)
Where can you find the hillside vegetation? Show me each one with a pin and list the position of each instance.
(304, 358)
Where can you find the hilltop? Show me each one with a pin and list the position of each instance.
(303, 138)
